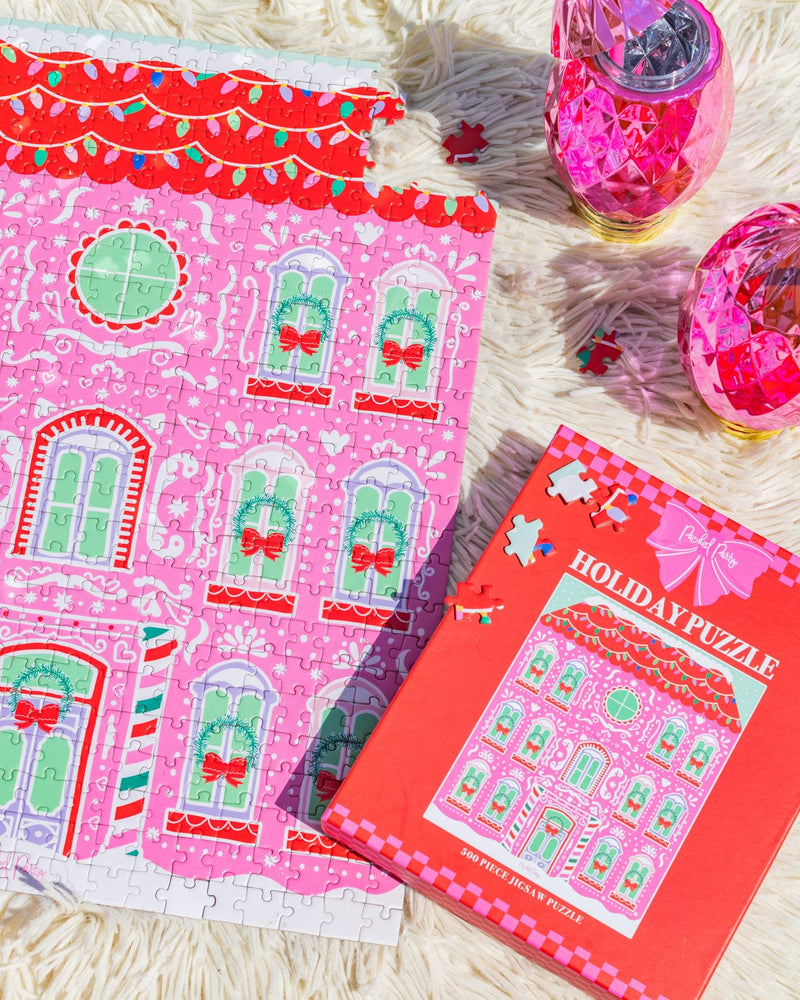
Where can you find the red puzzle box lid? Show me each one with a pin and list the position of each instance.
(580, 760)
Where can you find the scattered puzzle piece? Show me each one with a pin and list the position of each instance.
(464, 146)
(568, 484)
(607, 512)
(600, 352)
(524, 540)
(469, 601)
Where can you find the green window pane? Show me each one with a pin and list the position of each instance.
(322, 287)
(428, 305)
(103, 486)
(622, 705)
(249, 711)
(590, 775)
(80, 675)
(328, 758)
(291, 285)
(396, 298)
(10, 759)
(399, 503)
(104, 483)
(50, 775)
(367, 499)
(127, 275)
(253, 485)
(286, 488)
(215, 706)
(62, 514)
(363, 727)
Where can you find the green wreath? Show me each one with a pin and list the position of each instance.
(55, 674)
(401, 544)
(215, 726)
(284, 507)
(332, 743)
(413, 315)
(286, 306)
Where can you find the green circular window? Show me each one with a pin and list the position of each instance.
(127, 276)
(622, 705)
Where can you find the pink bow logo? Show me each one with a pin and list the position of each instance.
(684, 543)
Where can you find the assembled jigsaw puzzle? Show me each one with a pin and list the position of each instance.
(235, 378)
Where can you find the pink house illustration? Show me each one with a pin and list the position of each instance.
(596, 753)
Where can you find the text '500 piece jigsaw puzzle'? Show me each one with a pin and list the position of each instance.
(235, 378)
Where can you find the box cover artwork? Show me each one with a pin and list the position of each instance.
(581, 759)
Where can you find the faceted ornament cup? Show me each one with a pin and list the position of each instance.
(739, 324)
(634, 131)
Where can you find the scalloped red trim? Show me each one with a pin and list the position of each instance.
(294, 392)
(363, 614)
(137, 130)
(192, 825)
(258, 600)
(668, 668)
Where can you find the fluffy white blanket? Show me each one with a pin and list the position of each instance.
(552, 285)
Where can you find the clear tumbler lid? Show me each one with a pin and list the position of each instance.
(586, 27)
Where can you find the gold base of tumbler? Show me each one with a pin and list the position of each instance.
(620, 230)
(745, 433)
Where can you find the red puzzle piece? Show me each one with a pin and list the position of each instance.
(600, 352)
(463, 148)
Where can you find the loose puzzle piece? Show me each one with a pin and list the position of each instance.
(234, 409)
(469, 601)
(567, 483)
(608, 512)
(524, 540)
(600, 352)
(464, 146)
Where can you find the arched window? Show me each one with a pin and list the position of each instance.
(48, 714)
(498, 809)
(538, 665)
(548, 837)
(669, 739)
(630, 886)
(695, 767)
(502, 726)
(631, 807)
(586, 767)
(232, 704)
(341, 728)
(298, 344)
(267, 494)
(569, 680)
(380, 524)
(601, 861)
(466, 789)
(84, 490)
(671, 810)
(537, 738)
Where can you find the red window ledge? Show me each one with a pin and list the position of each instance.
(418, 409)
(258, 600)
(193, 825)
(363, 614)
(308, 842)
(317, 395)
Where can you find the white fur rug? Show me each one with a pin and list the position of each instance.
(552, 285)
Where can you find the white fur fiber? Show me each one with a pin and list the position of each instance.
(552, 284)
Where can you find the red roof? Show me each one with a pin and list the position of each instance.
(154, 123)
(666, 667)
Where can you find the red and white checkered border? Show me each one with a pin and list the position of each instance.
(609, 468)
(523, 927)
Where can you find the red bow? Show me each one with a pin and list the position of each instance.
(634, 806)
(697, 762)
(503, 730)
(667, 746)
(498, 808)
(533, 747)
(598, 867)
(383, 560)
(666, 823)
(327, 785)
(552, 829)
(537, 671)
(26, 713)
(467, 789)
(271, 545)
(392, 354)
(566, 688)
(214, 768)
(308, 342)
(630, 885)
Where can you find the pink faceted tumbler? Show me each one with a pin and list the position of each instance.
(739, 324)
(638, 109)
